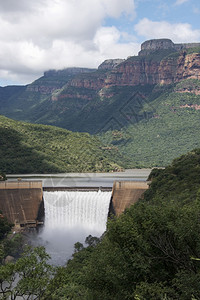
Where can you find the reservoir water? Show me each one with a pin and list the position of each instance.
(85, 179)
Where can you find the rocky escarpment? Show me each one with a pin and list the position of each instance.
(109, 64)
(43, 89)
(159, 62)
(162, 64)
(134, 71)
(144, 71)
(96, 79)
(97, 100)
(175, 69)
(159, 44)
(55, 79)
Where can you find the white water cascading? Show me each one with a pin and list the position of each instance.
(70, 217)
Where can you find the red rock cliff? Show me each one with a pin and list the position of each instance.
(159, 62)
(142, 70)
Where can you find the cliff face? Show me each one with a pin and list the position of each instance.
(94, 83)
(55, 79)
(133, 72)
(109, 64)
(186, 66)
(159, 62)
(166, 71)
(160, 44)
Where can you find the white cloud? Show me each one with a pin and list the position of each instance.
(178, 32)
(179, 2)
(106, 41)
(43, 34)
(196, 10)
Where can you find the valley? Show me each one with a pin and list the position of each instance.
(143, 110)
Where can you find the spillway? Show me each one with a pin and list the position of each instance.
(70, 216)
(68, 209)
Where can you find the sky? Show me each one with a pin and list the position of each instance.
(39, 35)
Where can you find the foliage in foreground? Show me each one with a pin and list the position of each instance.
(28, 277)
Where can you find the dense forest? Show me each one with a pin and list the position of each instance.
(29, 148)
(152, 251)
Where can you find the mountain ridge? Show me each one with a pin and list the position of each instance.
(61, 97)
(122, 101)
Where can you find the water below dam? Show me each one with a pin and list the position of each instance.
(70, 216)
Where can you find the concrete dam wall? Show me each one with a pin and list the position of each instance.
(22, 202)
(126, 193)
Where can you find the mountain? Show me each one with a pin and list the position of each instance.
(93, 96)
(164, 128)
(145, 107)
(29, 148)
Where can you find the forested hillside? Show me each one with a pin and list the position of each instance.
(28, 148)
(162, 128)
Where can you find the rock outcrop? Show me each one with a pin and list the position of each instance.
(160, 44)
(160, 61)
(109, 64)
(67, 71)
(55, 79)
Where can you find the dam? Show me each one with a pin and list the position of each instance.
(22, 202)
(70, 214)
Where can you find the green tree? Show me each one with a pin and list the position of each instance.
(29, 276)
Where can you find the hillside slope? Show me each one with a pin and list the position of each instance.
(168, 127)
(28, 148)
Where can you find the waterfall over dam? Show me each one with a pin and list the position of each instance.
(70, 216)
(65, 209)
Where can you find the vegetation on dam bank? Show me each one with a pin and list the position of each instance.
(151, 251)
